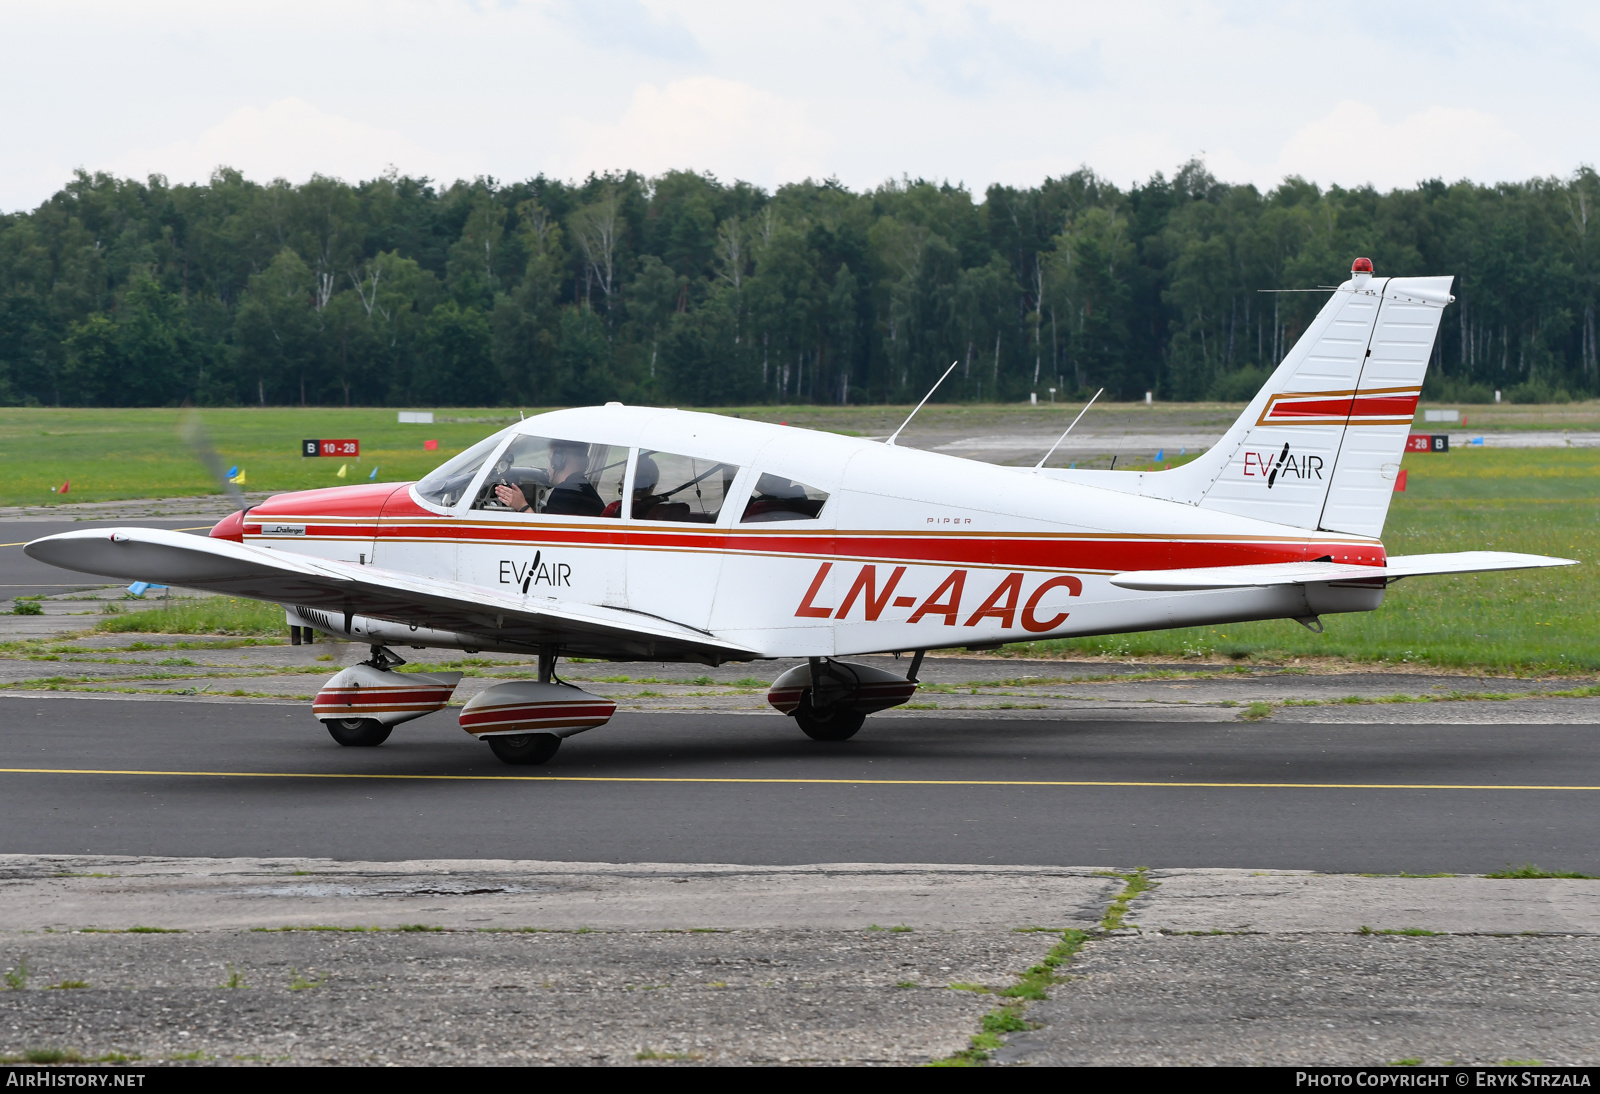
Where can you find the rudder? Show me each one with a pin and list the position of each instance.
(1320, 445)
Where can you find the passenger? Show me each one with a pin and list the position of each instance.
(571, 493)
(645, 476)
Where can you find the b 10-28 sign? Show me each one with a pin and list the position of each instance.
(330, 448)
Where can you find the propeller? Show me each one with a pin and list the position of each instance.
(199, 441)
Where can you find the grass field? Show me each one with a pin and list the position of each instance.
(1539, 500)
(114, 454)
(201, 615)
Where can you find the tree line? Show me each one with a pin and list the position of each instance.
(686, 290)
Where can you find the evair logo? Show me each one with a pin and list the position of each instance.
(534, 573)
(1282, 465)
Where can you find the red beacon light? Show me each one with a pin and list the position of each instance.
(1361, 265)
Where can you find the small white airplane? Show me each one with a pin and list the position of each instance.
(631, 533)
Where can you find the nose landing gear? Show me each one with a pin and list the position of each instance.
(362, 704)
(358, 732)
(525, 721)
(524, 748)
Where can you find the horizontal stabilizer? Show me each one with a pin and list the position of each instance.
(344, 591)
(1312, 573)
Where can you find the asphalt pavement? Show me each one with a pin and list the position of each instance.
(154, 777)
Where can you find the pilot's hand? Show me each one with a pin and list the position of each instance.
(512, 498)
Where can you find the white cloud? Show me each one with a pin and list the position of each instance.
(970, 90)
(1352, 144)
(706, 124)
(289, 139)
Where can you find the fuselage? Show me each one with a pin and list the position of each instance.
(907, 550)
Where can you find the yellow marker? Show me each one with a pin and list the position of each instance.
(343, 467)
(238, 479)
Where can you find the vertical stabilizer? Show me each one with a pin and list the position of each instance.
(1320, 445)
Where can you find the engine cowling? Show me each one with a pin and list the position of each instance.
(364, 691)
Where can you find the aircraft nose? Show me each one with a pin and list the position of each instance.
(230, 527)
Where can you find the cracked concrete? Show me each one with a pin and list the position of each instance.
(67, 892)
(670, 964)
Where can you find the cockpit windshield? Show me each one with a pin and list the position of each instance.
(445, 485)
(555, 476)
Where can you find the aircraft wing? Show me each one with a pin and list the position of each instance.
(1308, 573)
(344, 590)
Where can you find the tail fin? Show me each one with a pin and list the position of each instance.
(1320, 445)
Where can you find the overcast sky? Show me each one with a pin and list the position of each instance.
(970, 92)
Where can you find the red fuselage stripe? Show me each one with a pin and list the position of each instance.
(1042, 551)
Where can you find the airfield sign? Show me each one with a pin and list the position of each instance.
(349, 447)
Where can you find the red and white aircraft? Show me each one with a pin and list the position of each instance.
(632, 533)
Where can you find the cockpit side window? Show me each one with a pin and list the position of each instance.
(550, 475)
(777, 498)
(691, 489)
(446, 484)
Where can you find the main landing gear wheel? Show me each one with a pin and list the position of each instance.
(524, 748)
(833, 724)
(358, 732)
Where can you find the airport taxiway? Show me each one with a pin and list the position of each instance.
(106, 775)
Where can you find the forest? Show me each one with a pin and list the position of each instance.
(686, 290)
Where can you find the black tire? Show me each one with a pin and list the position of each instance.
(358, 732)
(834, 724)
(524, 748)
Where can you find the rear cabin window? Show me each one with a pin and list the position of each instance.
(667, 486)
(778, 498)
(558, 477)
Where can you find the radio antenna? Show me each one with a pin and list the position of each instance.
(925, 398)
(1063, 436)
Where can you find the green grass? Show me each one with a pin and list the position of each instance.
(111, 454)
(1007, 1018)
(1137, 882)
(65, 1056)
(1542, 501)
(202, 615)
(1528, 871)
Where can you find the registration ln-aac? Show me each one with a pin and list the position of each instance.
(632, 533)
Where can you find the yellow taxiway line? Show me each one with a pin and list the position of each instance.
(196, 528)
(788, 782)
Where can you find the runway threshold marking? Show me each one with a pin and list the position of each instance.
(792, 781)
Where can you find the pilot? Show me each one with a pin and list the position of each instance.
(571, 493)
